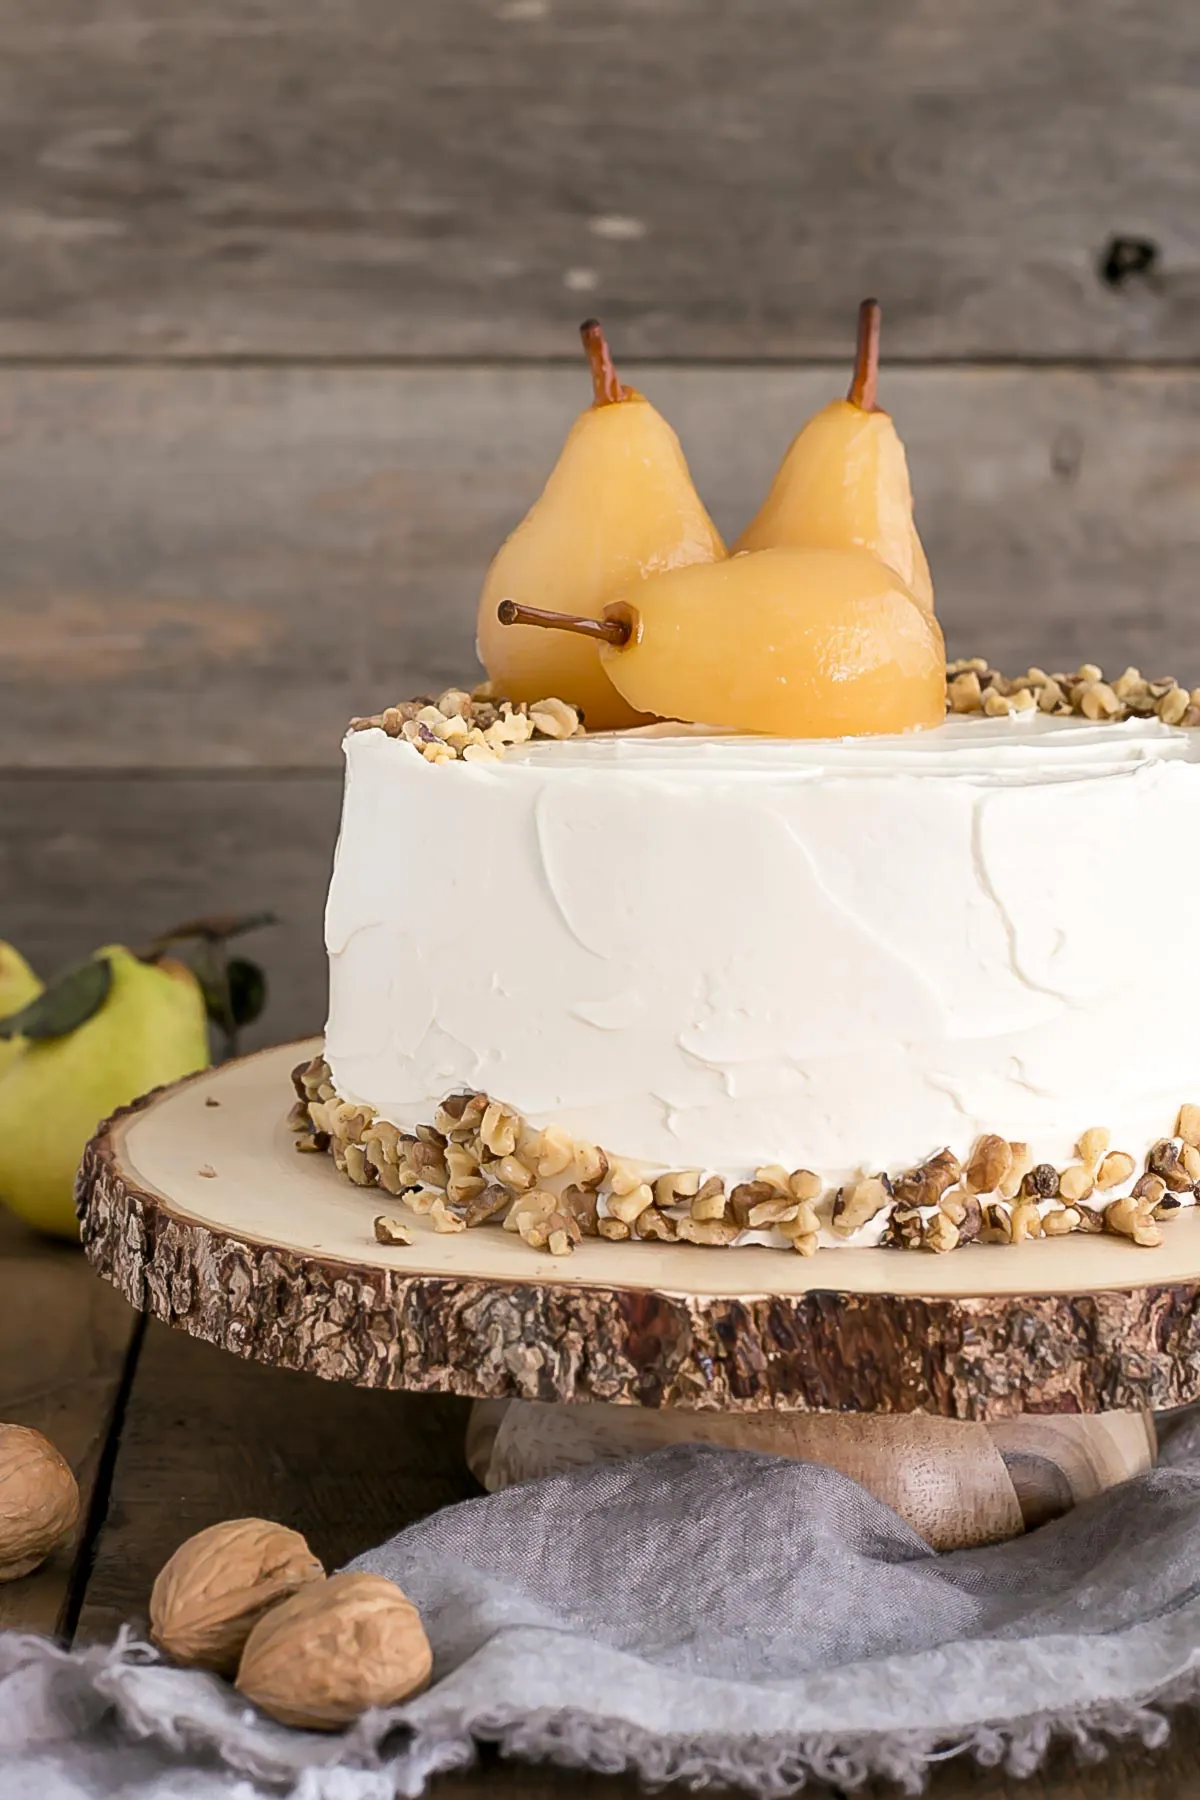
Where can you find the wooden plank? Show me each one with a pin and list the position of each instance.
(361, 178)
(84, 862)
(64, 1339)
(217, 568)
(207, 1437)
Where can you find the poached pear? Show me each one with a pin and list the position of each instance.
(786, 643)
(844, 480)
(619, 505)
(149, 1028)
(18, 986)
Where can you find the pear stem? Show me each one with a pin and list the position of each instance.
(606, 386)
(610, 631)
(866, 358)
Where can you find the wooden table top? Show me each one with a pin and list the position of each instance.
(168, 1435)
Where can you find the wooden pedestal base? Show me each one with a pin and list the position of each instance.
(956, 1483)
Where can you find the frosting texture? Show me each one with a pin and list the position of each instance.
(720, 952)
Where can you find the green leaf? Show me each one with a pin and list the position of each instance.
(234, 994)
(247, 990)
(71, 999)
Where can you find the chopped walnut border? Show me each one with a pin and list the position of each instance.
(973, 687)
(478, 1162)
(459, 726)
(474, 727)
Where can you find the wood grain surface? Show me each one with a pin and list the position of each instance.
(203, 1436)
(351, 176)
(87, 860)
(207, 1437)
(255, 555)
(205, 569)
(64, 1344)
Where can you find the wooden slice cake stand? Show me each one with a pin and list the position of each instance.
(977, 1393)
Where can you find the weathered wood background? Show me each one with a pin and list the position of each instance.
(287, 309)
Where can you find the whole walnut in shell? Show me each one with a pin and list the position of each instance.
(330, 1652)
(212, 1592)
(39, 1500)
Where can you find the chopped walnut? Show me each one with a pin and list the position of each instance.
(1092, 1146)
(475, 727)
(805, 1222)
(1075, 1183)
(532, 1207)
(583, 1205)
(553, 1153)
(804, 1185)
(554, 718)
(498, 1130)
(1187, 1126)
(391, 1231)
(1116, 1167)
(480, 1161)
(859, 1202)
(941, 1234)
(708, 1202)
(591, 1165)
(1133, 1218)
(964, 693)
(1040, 1183)
(706, 1231)
(991, 1160)
(1019, 1163)
(676, 1186)
(630, 1206)
(511, 1172)
(925, 1185)
(487, 1205)
(1025, 1221)
(444, 1219)
(654, 1224)
(1166, 1161)
(743, 1200)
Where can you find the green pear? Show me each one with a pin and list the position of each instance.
(18, 986)
(149, 1028)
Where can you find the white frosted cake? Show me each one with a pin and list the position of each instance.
(887, 952)
(910, 990)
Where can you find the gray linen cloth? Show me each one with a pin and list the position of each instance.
(699, 1613)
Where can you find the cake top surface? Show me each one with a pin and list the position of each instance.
(1008, 750)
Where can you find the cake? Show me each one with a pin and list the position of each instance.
(686, 982)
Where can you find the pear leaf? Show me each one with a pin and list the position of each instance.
(247, 990)
(67, 1003)
(234, 993)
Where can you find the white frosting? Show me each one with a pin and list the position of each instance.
(704, 951)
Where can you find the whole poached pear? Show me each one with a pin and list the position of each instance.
(844, 484)
(619, 505)
(148, 1027)
(787, 643)
(18, 986)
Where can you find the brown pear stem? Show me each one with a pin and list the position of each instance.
(866, 358)
(606, 386)
(609, 631)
